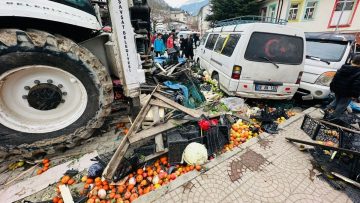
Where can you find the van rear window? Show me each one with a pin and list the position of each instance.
(283, 49)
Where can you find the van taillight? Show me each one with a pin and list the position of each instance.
(299, 78)
(236, 72)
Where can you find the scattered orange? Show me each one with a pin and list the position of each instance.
(65, 179)
(39, 171)
(198, 167)
(44, 161)
(56, 199)
(140, 171)
(89, 180)
(133, 197)
(71, 181)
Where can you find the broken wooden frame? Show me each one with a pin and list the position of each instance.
(156, 100)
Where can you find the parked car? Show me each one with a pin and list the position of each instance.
(254, 60)
(325, 54)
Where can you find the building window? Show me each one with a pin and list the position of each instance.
(343, 13)
(310, 10)
(294, 9)
(272, 11)
(349, 4)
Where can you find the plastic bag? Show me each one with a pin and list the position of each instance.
(234, 103)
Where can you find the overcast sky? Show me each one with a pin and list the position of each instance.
(175, 3)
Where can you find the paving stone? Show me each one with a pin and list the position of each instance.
(279, 172)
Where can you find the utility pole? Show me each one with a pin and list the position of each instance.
(341, 14)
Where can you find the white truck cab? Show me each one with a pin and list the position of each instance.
(254, 60)
(325, 54)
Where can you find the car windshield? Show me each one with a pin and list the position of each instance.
(334, 50)
(84, 5)
(275, 48)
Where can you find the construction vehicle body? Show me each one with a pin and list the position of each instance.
(57, 68)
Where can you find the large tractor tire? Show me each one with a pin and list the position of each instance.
(53, 93)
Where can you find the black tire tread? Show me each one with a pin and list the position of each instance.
(11, 38)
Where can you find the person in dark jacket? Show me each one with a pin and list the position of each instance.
(345, 85)
(189, 49)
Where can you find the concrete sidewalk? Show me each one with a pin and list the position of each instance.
(267, 169)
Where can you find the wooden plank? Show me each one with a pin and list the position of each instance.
(37, 183)
(159, 142)
(348, 180)
(323, 146)
(338, 126)
(120, 152)
(153, 156)
(156, 115)
(66, 194)
(160, 67)
(156, 102)
(150, 133)
(191, 112)
(172, 69)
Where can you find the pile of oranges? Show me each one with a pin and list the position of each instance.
(140, 182)
(241, 132)
(45, 166)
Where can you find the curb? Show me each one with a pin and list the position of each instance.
(181, 180)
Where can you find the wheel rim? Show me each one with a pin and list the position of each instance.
(40, 99)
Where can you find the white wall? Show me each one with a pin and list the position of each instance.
(203, 25)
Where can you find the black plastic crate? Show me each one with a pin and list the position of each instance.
(192, 133)
(215, 139)
(350, 140)
(310, 126)
(146, 150)
(176, 144)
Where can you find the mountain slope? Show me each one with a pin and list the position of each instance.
(193, 6)
(158, 4)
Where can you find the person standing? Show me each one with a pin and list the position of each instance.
(159, 46)
(345, 85)
(182, 45)
(170, 42)
(189, 49)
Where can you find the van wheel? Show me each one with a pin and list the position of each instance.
(53, 92)
(215, 76)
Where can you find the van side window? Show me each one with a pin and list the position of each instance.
(220, 43)
(203, 39)
(211, 41)
(231, 44)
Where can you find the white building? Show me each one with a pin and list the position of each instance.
(179, 16)
(203, 25)
(316, 15)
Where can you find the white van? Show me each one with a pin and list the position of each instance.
(325, 54)
(254, 60)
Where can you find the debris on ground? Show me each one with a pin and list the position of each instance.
(185, 121)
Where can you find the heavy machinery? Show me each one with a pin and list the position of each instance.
(57, 66)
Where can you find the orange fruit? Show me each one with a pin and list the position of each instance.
(140, 171)
(61, 201)
(44, 161)
(198, 167)
(133, 197)
(71, 181)
(130, 187)
(127, 195)
(126, 131)
(117, 196)
(65, 179)
(106, 187)
(39, 171)
(86, 186)
(56, 199)
(89, 180)
(191, 167)
(112, 195)
(139, 178)
(121, 188)
(104, 182)
(45, 169)
(98, 179)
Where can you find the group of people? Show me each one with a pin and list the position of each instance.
(182, 47)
